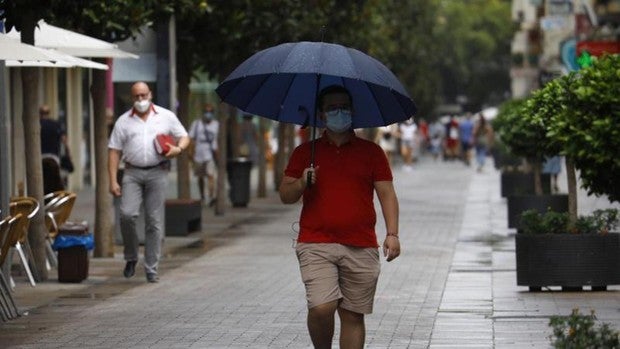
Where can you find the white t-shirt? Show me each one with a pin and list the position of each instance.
(205, 137)
(135, 137)
(407, 132)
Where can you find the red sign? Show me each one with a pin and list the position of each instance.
(597, 48)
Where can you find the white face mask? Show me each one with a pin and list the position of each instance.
(142, 106)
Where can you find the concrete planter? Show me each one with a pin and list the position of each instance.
(568, 260)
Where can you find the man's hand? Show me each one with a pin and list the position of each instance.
(115, 188)
(304, 177)
(174, 151)
(391, 247)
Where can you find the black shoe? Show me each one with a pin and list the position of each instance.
(130, 269)
(152, 277)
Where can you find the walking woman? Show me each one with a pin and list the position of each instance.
(483, 140)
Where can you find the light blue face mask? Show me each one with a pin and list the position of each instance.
(338, 120)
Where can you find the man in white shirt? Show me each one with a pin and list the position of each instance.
(145, 175)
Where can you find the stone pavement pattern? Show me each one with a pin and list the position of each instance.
(237, 283)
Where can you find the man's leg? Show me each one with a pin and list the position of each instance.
(352, 329)
(154, 209)
(321, 324)
(129, 211)
(201, 187)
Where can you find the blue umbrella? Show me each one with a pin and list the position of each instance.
(282, 83)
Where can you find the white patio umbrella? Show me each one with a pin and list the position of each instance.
(12, 49)
(73, 43)
(61, 60)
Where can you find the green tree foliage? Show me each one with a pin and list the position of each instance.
(589, 128)
(234, 30)
(402, 36)
(474, 56)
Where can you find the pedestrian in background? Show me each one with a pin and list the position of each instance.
(337, 244)
(452, 139)
(145, 177)
(436, 133)
(466, 128)
(553, 166)
(387, 137)
(53, 146)
(483, 140)
(249, 139)
(408, 143)
(203, 133)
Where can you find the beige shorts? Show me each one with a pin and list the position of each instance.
(334, 271)
(206, 168)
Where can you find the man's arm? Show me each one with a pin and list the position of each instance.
(291, 188)
(114, 158)
(175, 150)
(389, 207)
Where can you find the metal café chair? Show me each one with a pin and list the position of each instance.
(56, 214)
(8, 309)
(28, 207)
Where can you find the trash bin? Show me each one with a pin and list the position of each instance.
(239, 180)
(73, 243)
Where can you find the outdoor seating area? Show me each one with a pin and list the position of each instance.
(57, 208)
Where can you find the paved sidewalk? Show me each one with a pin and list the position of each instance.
(236, 284)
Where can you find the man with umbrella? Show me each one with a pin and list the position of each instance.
(337, 249)
(337, 244)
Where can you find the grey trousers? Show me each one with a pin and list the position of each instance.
(146, 187)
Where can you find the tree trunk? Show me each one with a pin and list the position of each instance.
(571, 180)
(222, 145)
(536, 167)
(183, 80)
(261, 190)
(37, 233)
(104, 226)
(234, 133)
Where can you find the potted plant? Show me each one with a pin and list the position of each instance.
(581, 331)
(524, 130)
(503, 159)
(552, 250)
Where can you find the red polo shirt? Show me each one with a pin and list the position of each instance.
(339, 208)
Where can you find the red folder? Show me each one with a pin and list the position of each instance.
(162, 142)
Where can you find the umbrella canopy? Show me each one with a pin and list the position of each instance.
(72, 43)
(11, 49)
(60, 60)
(282, 83)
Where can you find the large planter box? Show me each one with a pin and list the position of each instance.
(183, 216)
(517, 204)
(520, 183)
(568, 260)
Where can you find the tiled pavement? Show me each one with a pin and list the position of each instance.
(236, 284)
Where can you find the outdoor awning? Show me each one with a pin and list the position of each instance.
(73, 43)
(16, 55)
(11, 49)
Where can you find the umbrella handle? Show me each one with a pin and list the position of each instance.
(309, 178)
